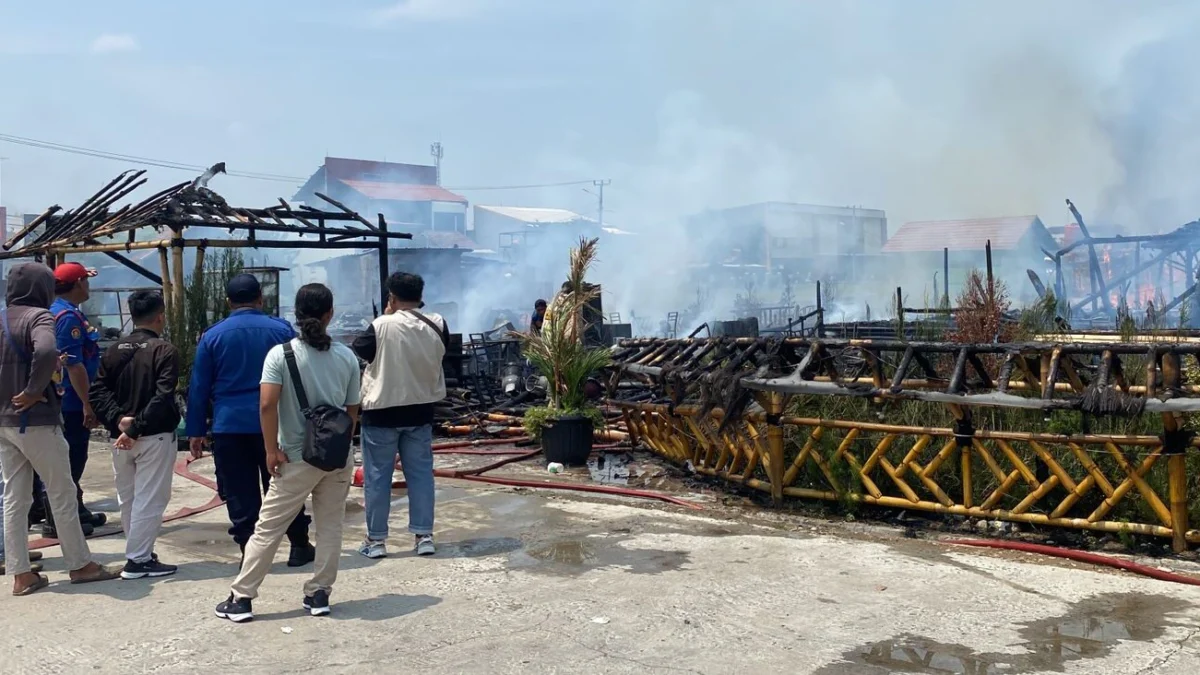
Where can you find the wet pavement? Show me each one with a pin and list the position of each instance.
(532, 581)
(1090, 630)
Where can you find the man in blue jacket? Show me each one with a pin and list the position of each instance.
(78, 341)
(225, 380)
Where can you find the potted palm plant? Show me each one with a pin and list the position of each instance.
(566, 423)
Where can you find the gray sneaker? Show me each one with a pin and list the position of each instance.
(373, 550)
(425, 544)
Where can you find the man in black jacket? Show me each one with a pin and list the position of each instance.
(134, 398)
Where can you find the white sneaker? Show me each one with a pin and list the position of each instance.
(373, 550)
(425, 544)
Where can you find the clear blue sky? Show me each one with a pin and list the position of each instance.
(927, 109)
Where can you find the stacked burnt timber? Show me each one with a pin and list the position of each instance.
(1088, 377)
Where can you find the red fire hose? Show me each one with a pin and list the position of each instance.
(483, 441)
(602, 489)
(182, 469)
(1079, 556)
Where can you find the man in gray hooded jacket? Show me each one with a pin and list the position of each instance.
(31, 437)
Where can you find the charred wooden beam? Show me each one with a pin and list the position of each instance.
(24, 232)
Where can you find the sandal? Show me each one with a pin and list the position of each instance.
(36, 586)
(102, 573)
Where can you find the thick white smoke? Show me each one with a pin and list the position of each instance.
(933, 110)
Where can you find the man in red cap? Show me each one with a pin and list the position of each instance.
(78, 341)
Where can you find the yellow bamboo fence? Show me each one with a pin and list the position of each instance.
(1107, 482)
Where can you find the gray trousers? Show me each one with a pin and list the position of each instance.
(42, 450)
(143, 478)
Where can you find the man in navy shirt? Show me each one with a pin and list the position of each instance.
(225, 380)
(78, 341)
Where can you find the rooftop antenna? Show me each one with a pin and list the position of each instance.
(436, 151)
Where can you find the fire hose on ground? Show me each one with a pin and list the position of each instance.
(183, 469)
(1079, 556)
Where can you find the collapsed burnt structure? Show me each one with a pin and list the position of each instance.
(1154, 275)
(936, 427)
(170, 219)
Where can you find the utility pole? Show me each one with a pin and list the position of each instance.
(600, 184)
(2, 161)
(436, 151)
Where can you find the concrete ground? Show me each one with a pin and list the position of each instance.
(546, 582)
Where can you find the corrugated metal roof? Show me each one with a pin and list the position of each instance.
(960, 235)
(535, 215)
(441, 240)
(341, 168)
(404, 192)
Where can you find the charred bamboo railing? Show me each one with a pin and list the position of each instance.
(1077, 481)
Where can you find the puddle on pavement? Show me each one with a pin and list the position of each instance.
(576, 556)
(563, 552)
(610, 468)
(1091, 629)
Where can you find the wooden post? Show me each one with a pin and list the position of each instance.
(178, 288)
(1177, 485)
(1060, 285)
(946, 276)
(820, 312)
(165, 271)
(1177, 470)
(383, 263)
(991, 279)
(775, 407)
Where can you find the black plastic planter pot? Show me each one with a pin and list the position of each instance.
(568, 440)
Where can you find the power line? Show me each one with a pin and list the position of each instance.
(522, 187)
(257, 175)
(134, 159)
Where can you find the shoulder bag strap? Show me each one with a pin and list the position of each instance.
(27, 359)
(12, 341)
(294, 371)
(440, 333)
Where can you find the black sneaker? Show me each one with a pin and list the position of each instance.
(237, 610)
(93, 519)
(317, 604)
(301, 555)
(151, 568)
(49, 531)
(37, 514)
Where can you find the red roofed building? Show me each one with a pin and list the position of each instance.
(1006, 234)
(407, 195)
(1017, 245)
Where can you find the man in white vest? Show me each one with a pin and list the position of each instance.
(403, 380)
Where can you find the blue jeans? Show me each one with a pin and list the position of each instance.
(379, 448)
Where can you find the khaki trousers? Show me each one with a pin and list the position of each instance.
(44, 450)
(143, 478)
(286, 495)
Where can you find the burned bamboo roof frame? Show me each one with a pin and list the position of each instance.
(187, 205)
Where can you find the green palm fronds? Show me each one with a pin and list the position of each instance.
(558, 351)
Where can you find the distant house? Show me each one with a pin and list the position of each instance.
(1017, 245)
(406, 194)
(819, 240)
(535, 243)
(505, 228)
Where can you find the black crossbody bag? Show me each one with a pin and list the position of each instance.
(328, 430)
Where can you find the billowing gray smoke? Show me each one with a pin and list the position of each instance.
(930, 110)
